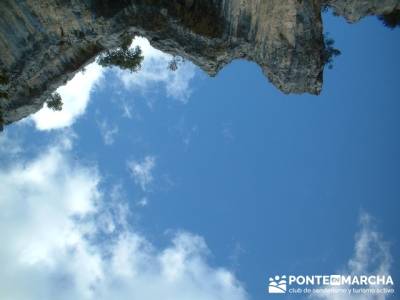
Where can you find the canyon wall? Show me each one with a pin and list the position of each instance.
(43, 43)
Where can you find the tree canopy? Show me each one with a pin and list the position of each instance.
(123, 58)
(391, 20)
(55, 102)
(330, 52)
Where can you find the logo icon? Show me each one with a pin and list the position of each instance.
(277, 285)
(336, 280)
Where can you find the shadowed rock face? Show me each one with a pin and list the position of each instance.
(43, 43)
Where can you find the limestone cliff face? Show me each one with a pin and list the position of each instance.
(43, 43)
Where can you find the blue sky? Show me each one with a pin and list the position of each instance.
(178, 185)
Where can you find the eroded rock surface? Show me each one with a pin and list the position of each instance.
(43, 43)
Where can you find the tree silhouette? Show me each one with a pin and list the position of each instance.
(330, 52)
(391, 20)
(174, 63)
(55, 102)
(123, 58)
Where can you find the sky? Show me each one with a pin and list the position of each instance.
(177, 185)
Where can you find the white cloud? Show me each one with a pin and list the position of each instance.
(142, 171)
(127, 110)
(227, 132)
(75, 95)
(155, 71)
(143, 202)
(184, 131)
(371, 257)
(371, 252)
(63, 238)
(107, 132)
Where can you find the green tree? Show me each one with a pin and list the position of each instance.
(391, 20)
(330, 52)
(174, 63)
(123, 58)
(55, 102)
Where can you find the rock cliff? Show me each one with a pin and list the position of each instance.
(43, 43)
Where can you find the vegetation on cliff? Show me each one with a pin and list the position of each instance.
(3, 79)
(55, 102)
(391, 20)
(123, 58)
(330, 52)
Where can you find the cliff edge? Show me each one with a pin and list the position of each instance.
(43, 43)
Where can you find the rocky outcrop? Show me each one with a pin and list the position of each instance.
(43, 43)
(354, 10)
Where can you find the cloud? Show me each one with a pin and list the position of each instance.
(372, 252)
(184, 131)
(155, 72)
(127, 110)
(143, 202)
(75, 95)
(227, 132)
(142, 171)
(371, 257)
(107, 132)
(64, 237)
